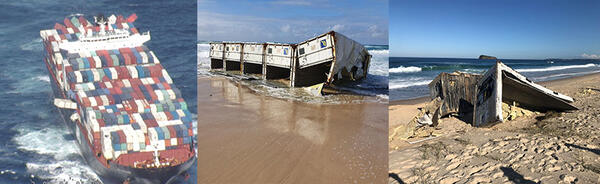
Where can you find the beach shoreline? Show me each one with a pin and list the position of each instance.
(248, 137)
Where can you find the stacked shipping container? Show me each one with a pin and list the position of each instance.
(126, 100)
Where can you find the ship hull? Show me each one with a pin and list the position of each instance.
(115, 173)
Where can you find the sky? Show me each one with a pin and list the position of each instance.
(292, 21)
(508, 29)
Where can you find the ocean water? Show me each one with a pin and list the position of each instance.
(35, 144)
(375, 85)
(409, 77)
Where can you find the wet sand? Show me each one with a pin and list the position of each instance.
(245, 137)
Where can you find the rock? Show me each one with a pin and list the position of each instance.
(452, 166)
(474, 170)
(553, 169)
(450, 156)
(429, 169)
(568, 178)
(481, 179)
(449, 180)
(497, 175)
(487, 57)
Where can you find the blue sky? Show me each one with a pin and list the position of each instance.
(365, 21)
(534, 29)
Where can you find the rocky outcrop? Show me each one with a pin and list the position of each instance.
(486, 57)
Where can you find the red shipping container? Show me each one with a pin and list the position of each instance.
(63, 37)
(169, 115)
(83, 21)
(51, 38)
(86, 102)
(166, 85)
(92, 62)
(172, 131)
(134, 30)
(167, 143)
(118, 90)
(127, 58)
(190, 132)
(132, 18)
(99, 101)
(122, 138)
(111, 100)
(156, 80)
(139, 49)
(102, 85)
(134, 106)
(151, 92)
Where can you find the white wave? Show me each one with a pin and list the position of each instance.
(544, 78)
(403, 69)
(408, 83)
(44, 78)
(66, 167)
(552, 68)
(35, 44)
(379, 52)
(63, 171)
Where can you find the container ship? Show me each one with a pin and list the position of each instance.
(130, 121)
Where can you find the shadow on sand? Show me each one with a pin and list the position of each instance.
(514, 176)
(395, 177)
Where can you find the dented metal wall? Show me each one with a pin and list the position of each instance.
(457, 91)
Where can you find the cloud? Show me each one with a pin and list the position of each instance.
(285, 28)
(337, 27)
(374, 31)
(590, 56)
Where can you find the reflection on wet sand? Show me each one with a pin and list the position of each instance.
(250, 138)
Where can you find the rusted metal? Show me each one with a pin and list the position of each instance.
(457, 91)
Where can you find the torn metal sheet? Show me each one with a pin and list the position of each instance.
(457, 91)
(503, 84)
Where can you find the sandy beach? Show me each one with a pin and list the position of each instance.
(245, 137)
(544, 147)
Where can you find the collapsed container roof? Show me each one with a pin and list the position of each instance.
(503, 84)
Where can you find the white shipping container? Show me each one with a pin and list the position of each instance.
(144, 57)
(233, 51)
(216, 50)
(279, 55)
(92, 101)
(113, 73)
(108, 84)
(132, 71)
(96, 75)
(173, 141)
(159, 95)
(167, 77)
(155, 58)
(126, 83)
(171, 94)
(78, 77)
(253, 53)
(315, 51)
(97, 61)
